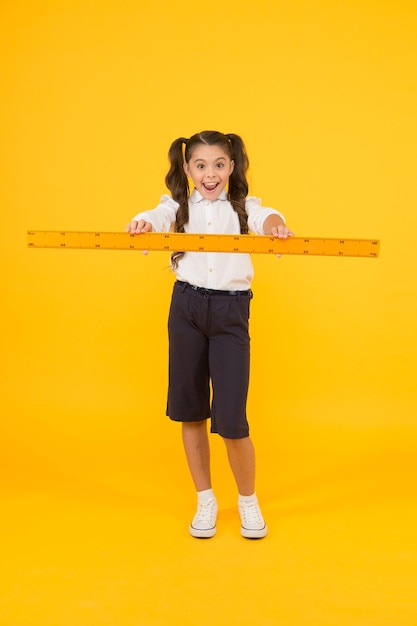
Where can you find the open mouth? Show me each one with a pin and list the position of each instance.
(210, 187)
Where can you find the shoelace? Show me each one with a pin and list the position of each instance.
(251, 513)
(206, 511)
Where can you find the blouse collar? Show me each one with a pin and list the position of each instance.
(197, 197)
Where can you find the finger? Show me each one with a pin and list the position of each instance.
(285, 232)
(144, 227)
(140, 227)
(147, 227)
(131, 228)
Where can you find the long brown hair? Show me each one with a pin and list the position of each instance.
(177, 182)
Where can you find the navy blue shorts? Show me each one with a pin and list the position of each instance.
(209, 354)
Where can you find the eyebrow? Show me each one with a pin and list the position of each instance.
(203, 160)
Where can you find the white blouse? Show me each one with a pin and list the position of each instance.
(212, 270)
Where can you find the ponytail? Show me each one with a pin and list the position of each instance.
(176, 179)
(238, 184)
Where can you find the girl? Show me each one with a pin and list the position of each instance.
(209, 313)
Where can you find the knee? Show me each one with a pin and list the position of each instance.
(194, 425)
(235, 443)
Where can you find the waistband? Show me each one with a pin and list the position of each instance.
(215, 292)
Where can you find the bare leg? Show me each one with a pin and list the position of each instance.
(241, 455)
(197, 450)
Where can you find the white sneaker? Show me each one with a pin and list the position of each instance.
(204, 522)
(253, 524)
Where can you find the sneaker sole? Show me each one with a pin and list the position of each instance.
(250, 533)
(202, 534)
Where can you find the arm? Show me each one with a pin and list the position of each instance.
(265, 221)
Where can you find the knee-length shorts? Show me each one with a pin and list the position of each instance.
(209, 355)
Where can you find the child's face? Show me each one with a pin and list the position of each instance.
(209, 168)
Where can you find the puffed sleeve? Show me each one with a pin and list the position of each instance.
(257, 214)
(161, 217)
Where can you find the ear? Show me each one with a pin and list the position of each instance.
(186, 169)
(232, 167)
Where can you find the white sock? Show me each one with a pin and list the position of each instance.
(204, 496)
(248, 499)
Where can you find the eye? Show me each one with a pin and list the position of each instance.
(200, 166)
(220, 165)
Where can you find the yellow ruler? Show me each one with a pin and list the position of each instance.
(256, 244)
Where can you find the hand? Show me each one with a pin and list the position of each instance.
(136, 227)
(281, 232)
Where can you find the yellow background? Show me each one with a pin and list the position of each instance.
(95, 493)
